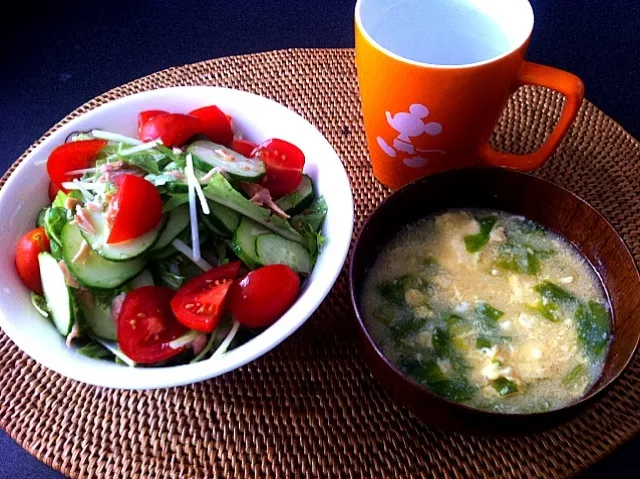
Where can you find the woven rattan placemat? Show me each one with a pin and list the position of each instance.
(311, 408)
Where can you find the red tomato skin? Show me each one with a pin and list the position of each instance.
(244, 147)
(261, 297)
(199, 291)
(284, 163)
(52, 191)
(136, 208)
(29, 246)
(146, 325)
(215, 124)
(75, 155)
(174, 129)
(145, 116)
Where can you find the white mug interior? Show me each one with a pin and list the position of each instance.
(446, 33)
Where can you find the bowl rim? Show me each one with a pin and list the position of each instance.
(271, 338)
(589, 396)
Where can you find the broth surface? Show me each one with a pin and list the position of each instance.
(490, 310)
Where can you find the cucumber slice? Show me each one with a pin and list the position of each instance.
(93, 270)
(237, 166)
(299, 199)
(224, 219)
(127, 250)
(274, 249)
(177, 223)
(56, 293)
(98, 315)
(221, 191)
(244, 242)
(98, 318)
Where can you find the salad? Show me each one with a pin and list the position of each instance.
(173, 247)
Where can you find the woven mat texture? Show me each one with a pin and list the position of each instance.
(311, 408)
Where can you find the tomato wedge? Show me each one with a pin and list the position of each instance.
(135, 209)
(52, 191)
(199, 304)
(284, 162)
(215, 124)
(145, 116)
(174, 129)
(244, 147)
(27, 250)
(263, 295)
(75, 155)
(146, 325)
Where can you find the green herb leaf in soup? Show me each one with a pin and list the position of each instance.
(517, 258)
(393, 290)
(593, 327)
(475, 243)
(487, 312)
(575, 375)
(504, 387)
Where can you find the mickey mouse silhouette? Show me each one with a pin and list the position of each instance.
(410, 125)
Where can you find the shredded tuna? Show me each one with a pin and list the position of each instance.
(116, 306)
(94, 207)
(71, 203)
(68, 278)
(176, 174)
(199, 343)
(75, 333)
(211, 173)
(86, 298)
(84, 220)
(82, 252)
(262, 197)
(225, 156)
(116, 168)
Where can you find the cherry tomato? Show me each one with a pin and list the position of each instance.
(145, 116)
(52, 191)
(215, 124)
(263, 295)
(199, 304)
(75, 155)
(244, 147)
(27, 250)
(174, 129)
(284, 163)
(135, 209)
(146, 325)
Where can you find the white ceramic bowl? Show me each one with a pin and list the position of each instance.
(259, 119)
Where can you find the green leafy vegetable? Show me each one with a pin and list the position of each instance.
(40, 304)
(144, 160)
(425, 372)
(487, 312)
(554, 293)
(54, 220)
(476, 242)
(441, 341)
(94, 350)
(504, 387)
(517, 258)
(458, 389)
(384, 314)
(313, 216)
(174, 201)
(593, 327)
(59, 200)
(393, 290)
(162, 271)
(576, 374)
(482, 343)
(406, 326)
(550, 311)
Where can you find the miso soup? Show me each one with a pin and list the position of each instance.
(490, 310)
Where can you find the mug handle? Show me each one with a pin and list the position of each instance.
(566, 83)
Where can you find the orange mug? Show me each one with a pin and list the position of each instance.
(436, 74)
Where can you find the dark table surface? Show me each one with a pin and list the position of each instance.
(55, 56)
